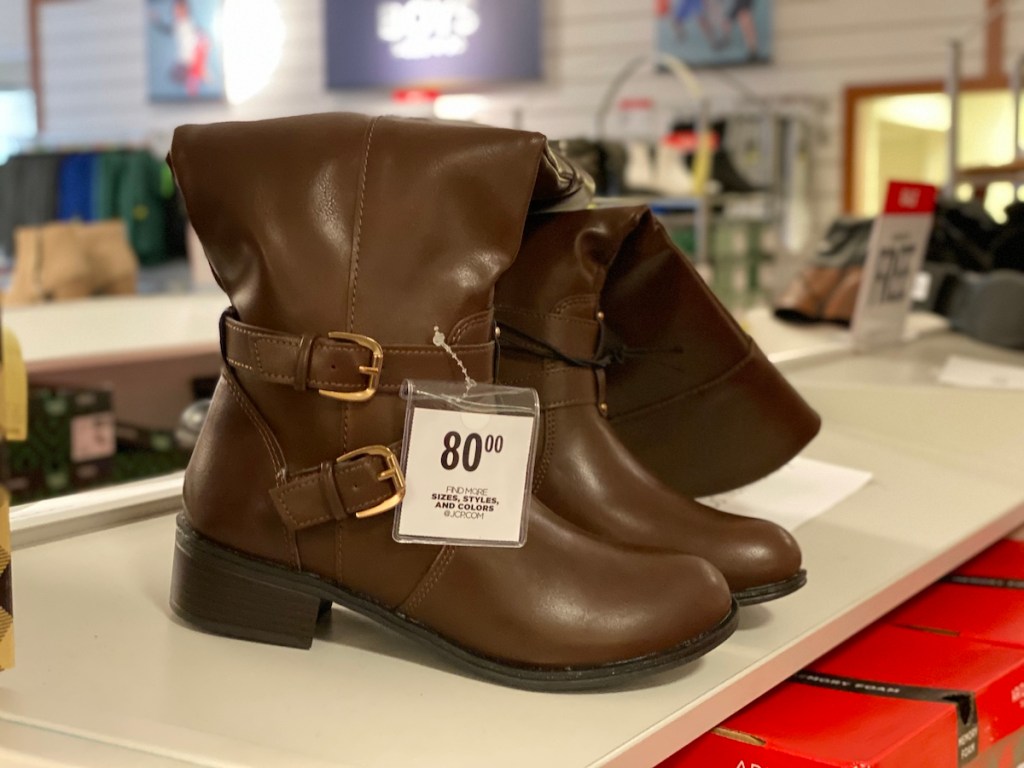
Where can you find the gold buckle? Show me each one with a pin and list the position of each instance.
(392, 473)
(371, 371)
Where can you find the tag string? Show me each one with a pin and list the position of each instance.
(439, 341)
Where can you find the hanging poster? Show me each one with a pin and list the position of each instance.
(432, 43)
(185, 50)
(714, 33)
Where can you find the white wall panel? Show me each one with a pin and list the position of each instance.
(94, 67)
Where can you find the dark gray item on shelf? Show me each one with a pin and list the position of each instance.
(990, 307)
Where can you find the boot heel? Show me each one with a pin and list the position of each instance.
(230, 598)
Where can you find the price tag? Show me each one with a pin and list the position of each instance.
(468, 463)
(895, 254)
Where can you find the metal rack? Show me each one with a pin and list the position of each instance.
(980, 176)
(779, 130)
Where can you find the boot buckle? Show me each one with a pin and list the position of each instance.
(392, 473)
(372, 371)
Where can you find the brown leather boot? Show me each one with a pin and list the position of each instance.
(549, 314)
(342, 241)
(722, 414)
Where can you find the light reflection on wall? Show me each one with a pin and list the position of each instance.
(254, 34)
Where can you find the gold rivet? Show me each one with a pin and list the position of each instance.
(497, 332)
(600, 315)
(603, 408)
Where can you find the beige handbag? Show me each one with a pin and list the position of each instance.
(59, 261)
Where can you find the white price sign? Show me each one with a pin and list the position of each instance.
(467, 478)
(899, 238)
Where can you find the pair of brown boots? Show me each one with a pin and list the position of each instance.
(341, 236)
(62, 260)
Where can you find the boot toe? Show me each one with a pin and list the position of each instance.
(761, 555)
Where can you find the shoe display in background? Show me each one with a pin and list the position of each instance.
(342, 242)
(72, 260)
(548, 308)
(604, 161)
(826, 289)
(724, 170)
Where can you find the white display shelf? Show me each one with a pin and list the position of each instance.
(130, 329)
(101, 657)
(118, 329)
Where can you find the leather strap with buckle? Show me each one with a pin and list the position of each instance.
(362, 483)
(341, 365)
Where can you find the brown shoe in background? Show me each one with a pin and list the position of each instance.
(550, 315)
(381, 229)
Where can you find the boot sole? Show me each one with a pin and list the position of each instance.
(228, 593)
(767, 592)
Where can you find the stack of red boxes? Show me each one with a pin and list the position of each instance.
(938, 683)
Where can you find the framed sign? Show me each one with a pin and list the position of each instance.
(710, 33)
(899, 238)
(185, 50)
(431, 43)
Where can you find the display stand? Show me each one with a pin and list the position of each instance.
(101, 657)
(147, 348)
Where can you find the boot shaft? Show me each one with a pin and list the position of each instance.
(379, 227)
(382, 226)
(549, 300)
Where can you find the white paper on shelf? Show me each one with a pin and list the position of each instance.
(799, 491)
(960, 371)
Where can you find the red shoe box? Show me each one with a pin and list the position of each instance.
(981, 600)
(892, 697)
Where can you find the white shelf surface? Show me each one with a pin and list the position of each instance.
(100, 656)
(118, 329)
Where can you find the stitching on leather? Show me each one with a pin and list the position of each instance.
(282, 495)
(357, 238)
(239, 364)
(460, 331)
(290, 543)
(565, 403)
(437, 570)
(264, 336)
(256, 421)
(549, 441)
(254, 345)
(588, 300)
(338, 541)
(721, 378)
(544, 315)
(260, 373)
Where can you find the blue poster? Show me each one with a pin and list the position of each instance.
(185, 48)
(714, 33)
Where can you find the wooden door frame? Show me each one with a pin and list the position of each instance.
(994, 78)
(35, 56)
(855, 95)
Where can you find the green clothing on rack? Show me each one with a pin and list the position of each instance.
(128, 187)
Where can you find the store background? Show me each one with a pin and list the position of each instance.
(93, 67)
